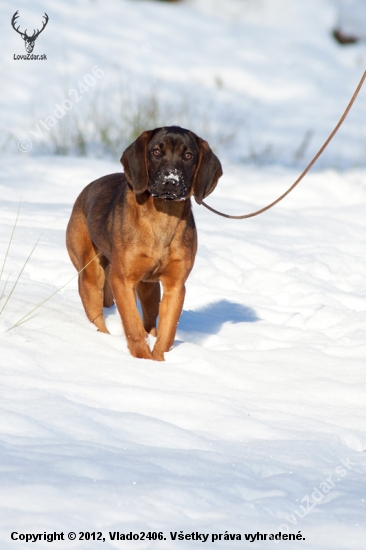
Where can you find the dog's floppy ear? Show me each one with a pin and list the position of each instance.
(134, 162)
(207, 173)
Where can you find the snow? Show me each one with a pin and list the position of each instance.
(172, 175)
(258, 412)
(352, 18)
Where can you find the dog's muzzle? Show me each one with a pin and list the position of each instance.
(169, 185)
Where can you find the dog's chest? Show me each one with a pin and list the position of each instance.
(161, 238)
(160, 245)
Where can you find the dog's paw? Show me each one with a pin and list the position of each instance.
(140, 350)
(158, 355)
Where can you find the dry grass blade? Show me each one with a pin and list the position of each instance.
(7, 251)
(21, 271)
(21, 322)
(24, 318)
(6, 283)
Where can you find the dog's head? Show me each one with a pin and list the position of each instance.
(172, 164)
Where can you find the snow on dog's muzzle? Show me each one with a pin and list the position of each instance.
(169, 185)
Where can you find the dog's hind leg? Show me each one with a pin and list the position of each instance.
(91, 290)
(149, 296)
(92, 278)
(108, 299)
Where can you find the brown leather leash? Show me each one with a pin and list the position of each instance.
(306, 169)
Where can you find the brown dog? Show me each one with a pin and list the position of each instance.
(141, 225)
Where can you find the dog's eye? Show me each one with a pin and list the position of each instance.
(156, 152)
(187, 155)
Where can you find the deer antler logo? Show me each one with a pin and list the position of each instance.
(28, 40)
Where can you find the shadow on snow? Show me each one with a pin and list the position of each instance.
(209, 319)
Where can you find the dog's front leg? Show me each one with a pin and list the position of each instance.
(169, 312)
(124, 292)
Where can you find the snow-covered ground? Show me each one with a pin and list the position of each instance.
(256, 420)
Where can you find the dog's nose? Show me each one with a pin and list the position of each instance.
(171, 182)
(171, 178)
